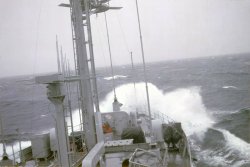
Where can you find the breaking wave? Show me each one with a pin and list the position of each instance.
(183, 105)
(224, 149)
(115, 77)
(237, 144)
(229, 87)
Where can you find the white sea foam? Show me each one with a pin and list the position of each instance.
(115, 77)
(235, 152)
(76, 121)
(237, 144)
(229, 87)
(210, 157)
(183, 105)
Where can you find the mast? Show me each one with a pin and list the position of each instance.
(83, 67)
(144, 68)
(91, 54)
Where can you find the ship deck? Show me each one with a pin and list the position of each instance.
(175, 159)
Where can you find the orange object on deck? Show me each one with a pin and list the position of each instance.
(106, 128)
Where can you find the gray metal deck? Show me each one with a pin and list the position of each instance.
(175, 159)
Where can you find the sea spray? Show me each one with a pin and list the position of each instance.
(183, 105)
(241, 147)
(115, 77)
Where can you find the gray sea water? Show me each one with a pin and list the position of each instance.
(210, 96)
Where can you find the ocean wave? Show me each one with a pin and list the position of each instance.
(230, 87)
(237, 144)
(3, 86)
(229, 114)
(244, 111)
(223, 149)
(182, 105)
(209, 157)
(237, 122)
(232, 73)
(115, 77)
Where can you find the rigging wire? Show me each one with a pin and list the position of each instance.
(133, 69)
(69, 97)
(123, 34)
(110, 56)
(37, 36)
(35, 61)
(133, 77)
(131, 56)
(144, 68)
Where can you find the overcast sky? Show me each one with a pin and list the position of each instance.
(172, 29)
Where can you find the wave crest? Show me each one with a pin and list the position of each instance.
(183, 105)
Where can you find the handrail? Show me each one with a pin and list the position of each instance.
(186, 143)
(94, 155)
(188, 149)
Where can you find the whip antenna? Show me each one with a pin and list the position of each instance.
(116, 104)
